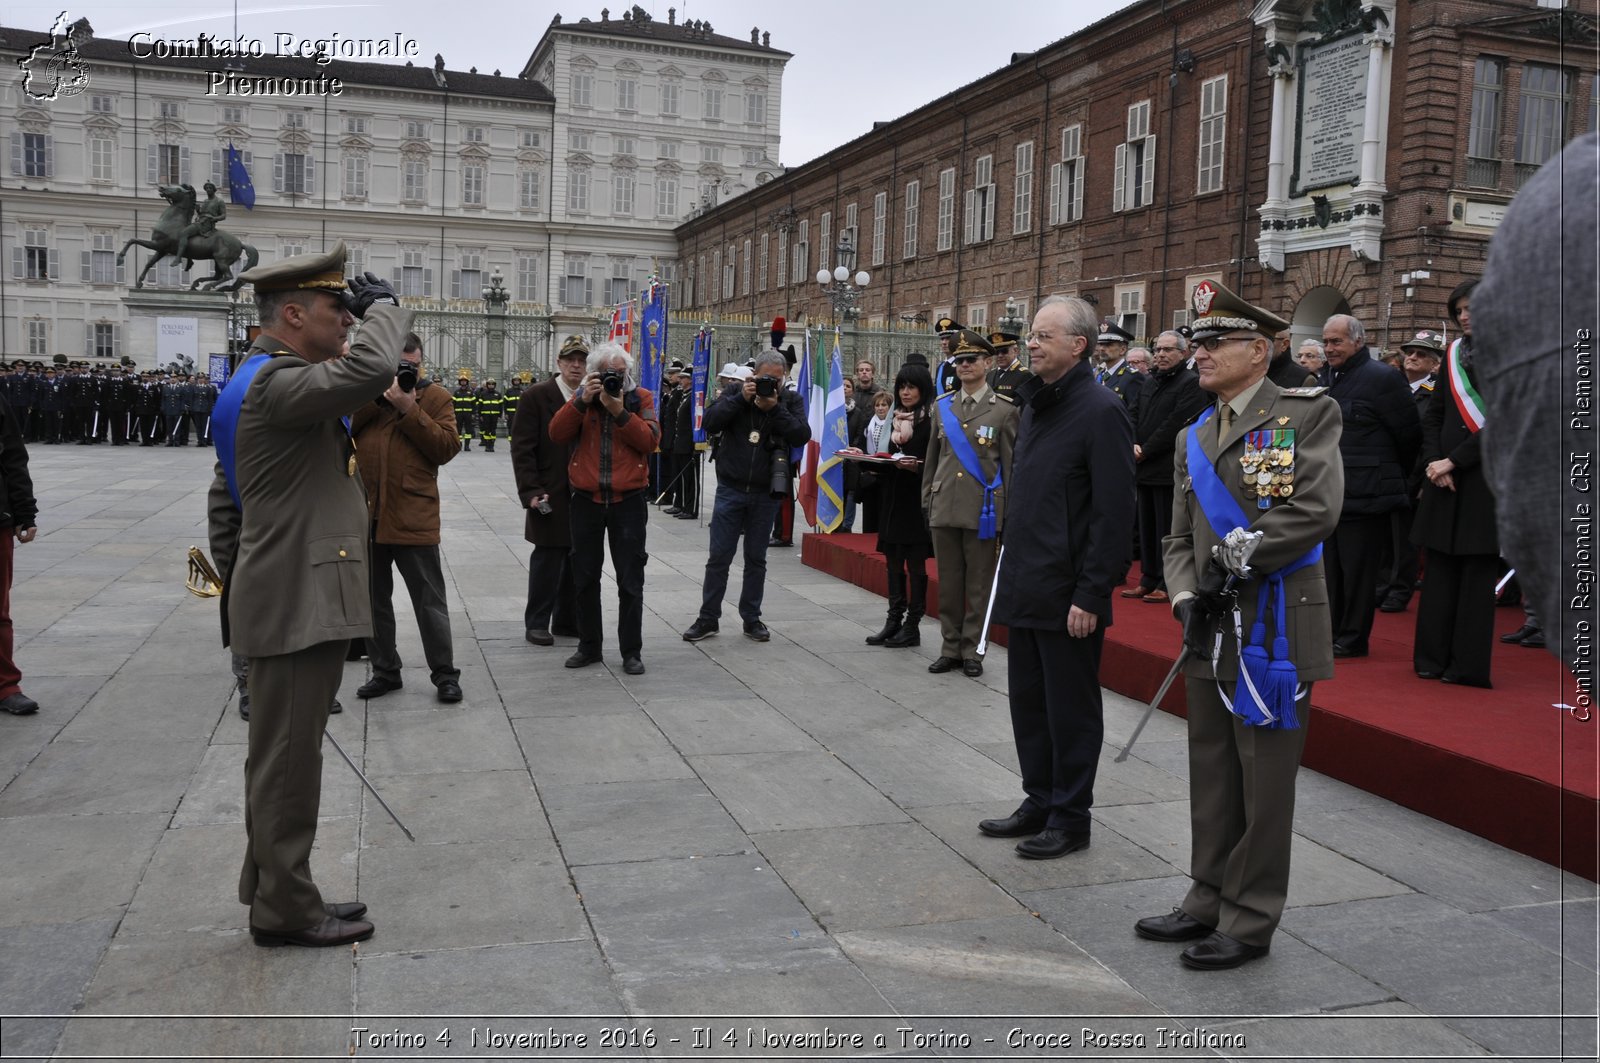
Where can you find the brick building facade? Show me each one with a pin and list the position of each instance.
(1162, 146)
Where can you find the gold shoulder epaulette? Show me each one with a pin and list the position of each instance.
(1303, 393)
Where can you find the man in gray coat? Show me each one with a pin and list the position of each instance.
(288, 528)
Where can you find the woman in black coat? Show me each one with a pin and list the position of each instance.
(903, 537)
(1455, 525)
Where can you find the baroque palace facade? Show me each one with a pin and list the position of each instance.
(1314, 157)
(566, 178)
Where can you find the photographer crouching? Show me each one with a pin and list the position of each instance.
(760, 421)
(613, 426)
(402, 437)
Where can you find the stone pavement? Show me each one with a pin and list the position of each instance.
(763, 841)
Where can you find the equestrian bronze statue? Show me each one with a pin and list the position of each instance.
(190, 233)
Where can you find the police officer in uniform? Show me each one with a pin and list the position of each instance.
(203, 402)
(963, 493)
(944, 374)
(1009, 369)
(1111, 362)
(491, 404)
(1265, 459)
(466, 401)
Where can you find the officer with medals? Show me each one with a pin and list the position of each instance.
(288, 529)
(944, 374)
(1264, 459)
(1111, 362)
(466, 401)
(1010, 369)
(963, 494)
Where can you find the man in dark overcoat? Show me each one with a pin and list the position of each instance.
(540, 466)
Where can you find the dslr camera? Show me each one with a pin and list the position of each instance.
(406, 376)
(766, 386)
(611, 381)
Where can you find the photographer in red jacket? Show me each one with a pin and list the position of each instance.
(612, 424)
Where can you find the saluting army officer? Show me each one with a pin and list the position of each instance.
(963, 493)
(288, 527)
(1265, 459)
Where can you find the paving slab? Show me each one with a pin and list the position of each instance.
(429, 741)
(894, 759)
(43, 971)
(552, 978)
(470, 806)
(793, 791)
(68, 868)
(623, 822)
(612, 748)
(740, 724)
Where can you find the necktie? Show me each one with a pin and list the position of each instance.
(1224, 421)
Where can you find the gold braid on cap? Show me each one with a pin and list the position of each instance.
(1228, 323)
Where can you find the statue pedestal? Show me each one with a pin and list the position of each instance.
(166, 323)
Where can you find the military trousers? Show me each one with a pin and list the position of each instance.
(965, 564)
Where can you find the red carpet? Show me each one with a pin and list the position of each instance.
(1503, 763)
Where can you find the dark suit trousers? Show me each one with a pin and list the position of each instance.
(551, 601)
(686, 493)
(290, 695)
(1241, 815)
(1353, 556)
(1155, 524)
(1455, 620)
(737, 513)
(419, 567)
(622, 523)
(1056, 720)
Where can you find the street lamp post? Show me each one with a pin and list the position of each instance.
(842, 295)
(1011, 321)
(495, 298)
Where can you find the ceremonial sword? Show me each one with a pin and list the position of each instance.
(373, 790)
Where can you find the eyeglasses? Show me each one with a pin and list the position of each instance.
(1039, 337)
(964, 359)
(1211, 343)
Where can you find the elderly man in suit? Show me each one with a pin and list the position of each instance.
(288, 528)
(540, 466)
(1264, 459)
(963, 493)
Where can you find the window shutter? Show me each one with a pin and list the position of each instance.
(216, 166)
(311, 174)
(88, 340)
(988, 210)
(277, 172)
(122, 278)
(427, 282)
(152, 165)
(1117, 177)
(398, 279)
(18, 262)
(183, 166)
(1147, 195)
(49, 156)
(85, 258)
(969, 216)
(1054, 206)
(54, 267)
(116, 339)
(455, 284)
(16, 153)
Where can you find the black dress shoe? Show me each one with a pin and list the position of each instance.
(672, 511)
(1053, 842)
(1535, 641)
(1425, 674)
(19, 704)
(1347, 651)
(1219, 952)
(331, 931)
(1464, 681)
(336, 708)
(1513, 637)
(1394, 605)
(449, 691)
(633, 665)
(944, 664)
(346, 910)
(244, 704)
(377, 687)
(1179, 925)
(539, 638)
(1019, 824)
(972, 668)
(686, 515)
(700, 629)
(582, 660)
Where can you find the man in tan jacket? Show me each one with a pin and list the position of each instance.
(402, 437)
(288, 521)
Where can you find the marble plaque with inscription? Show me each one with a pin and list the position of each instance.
(1333, 101)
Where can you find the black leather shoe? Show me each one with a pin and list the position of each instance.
(1179, 925)
(331, 931)
(972, 668)
(336, 708)
(1535, 641)
(345, 910)
(686, 515)
(671, 511)
(943, 664)
(449, 691)
(1463, 681)
(1347, 651)
(633, 665)
(700, 629)
(1513, 637)
(1053, 842)
(1424, 674)
(756, 631)
(19, 704)
(377, 687)
(539, 638)
(1394, 605)
(244, 704)
(1019, 824)
(582, 660)
(1219, 952)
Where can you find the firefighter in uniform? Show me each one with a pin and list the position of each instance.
(491, 404)
(466, 401)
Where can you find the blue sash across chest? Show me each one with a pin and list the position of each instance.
(962, 447)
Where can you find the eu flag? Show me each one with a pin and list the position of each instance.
(240, 190)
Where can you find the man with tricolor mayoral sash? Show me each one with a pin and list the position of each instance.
(1264, 459)
(963, 493)
(289, 531)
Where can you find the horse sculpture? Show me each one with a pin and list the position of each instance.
(218, 246)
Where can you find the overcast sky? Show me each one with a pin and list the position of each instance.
(855, 61)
